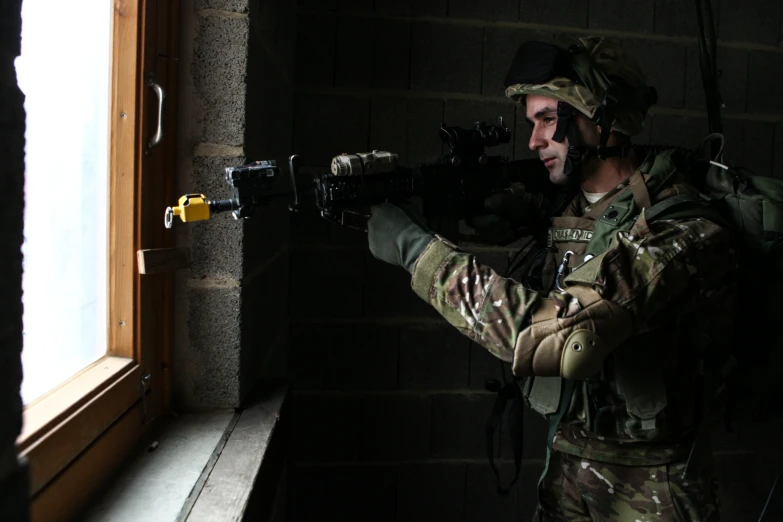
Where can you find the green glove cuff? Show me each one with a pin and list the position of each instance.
(396, 236)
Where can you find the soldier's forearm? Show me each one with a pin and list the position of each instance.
(490, 309)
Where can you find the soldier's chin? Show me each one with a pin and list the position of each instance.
(556, 174)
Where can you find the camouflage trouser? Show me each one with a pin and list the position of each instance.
(578, 489)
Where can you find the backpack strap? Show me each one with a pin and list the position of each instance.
(685, 206)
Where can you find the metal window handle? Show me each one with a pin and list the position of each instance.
(159, 131)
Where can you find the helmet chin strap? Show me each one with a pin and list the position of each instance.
(577, 151)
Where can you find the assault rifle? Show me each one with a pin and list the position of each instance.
(453, 187)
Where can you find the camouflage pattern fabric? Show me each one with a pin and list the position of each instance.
(651, 276)
(613, 61)
(576, 489)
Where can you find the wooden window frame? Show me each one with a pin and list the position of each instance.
(75, 436)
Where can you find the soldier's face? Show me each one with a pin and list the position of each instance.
(542, 116)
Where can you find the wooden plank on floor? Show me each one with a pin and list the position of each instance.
(227, 490)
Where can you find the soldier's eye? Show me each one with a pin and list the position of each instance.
(549, 120)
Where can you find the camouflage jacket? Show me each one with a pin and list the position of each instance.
(634, 296)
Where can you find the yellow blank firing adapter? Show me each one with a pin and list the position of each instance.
(251, 185)
(192, 207)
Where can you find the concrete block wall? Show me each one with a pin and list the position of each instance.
(237, 106)
(13, 476)
(389, 405)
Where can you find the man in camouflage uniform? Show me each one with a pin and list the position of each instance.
(614, 350)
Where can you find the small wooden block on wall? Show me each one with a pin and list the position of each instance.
(163, 260)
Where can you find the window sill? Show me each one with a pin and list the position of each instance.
(205, 466)
(61, 424)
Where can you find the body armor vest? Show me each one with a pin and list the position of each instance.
(629, 400)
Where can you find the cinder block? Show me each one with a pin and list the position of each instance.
(429, 7)
(391, 59)
(778, 148)
(427, 492)
(285, 42)
(264, 316)
(360, 493)
(492, 10)
(482, 501)
(324, 429)
(433, 358)
(663, 64)
(325, 283)
(734, 466)
(315, 50)
(307, 356)
(636, 17)
(739, 502)
(320, 5)
(680, 131)
(676, 18)
(572, 13)
(270, 110)
(484, 365)
(733, 132)
(500, 47)
(328, 125)
(264, 234)
(217, 244)
(395, 7)
(750, 144)
(458, 425)
(235, 6)
(766, 472)
(395, 428)
(424, 120)
(354, 56)
(209, 376)
(527, 489)
(765, 71)
(361, 357)
(388, 126)
(757, 21)
(219, 69)
(308, 228)
(758, 147)
(465, 113)
(355, 6)
(306, 493)
(733, 82)
(446, 57)
(534, 432)
(388, 293)
(265, 25)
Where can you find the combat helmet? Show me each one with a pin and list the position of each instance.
(591, 74)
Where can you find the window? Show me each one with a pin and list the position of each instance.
(67, 91)
(95, 330)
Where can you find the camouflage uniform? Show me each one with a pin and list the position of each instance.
(640, 311)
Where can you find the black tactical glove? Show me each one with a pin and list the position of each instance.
(511, 213)
(397, 235)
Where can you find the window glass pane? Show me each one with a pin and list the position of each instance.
(64, 71)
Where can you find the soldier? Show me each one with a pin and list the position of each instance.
(614, 349)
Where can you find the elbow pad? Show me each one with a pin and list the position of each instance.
(572, 347)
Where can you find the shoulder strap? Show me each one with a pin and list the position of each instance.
(685, 206)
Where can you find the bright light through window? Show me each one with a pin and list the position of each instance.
(64, 71)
